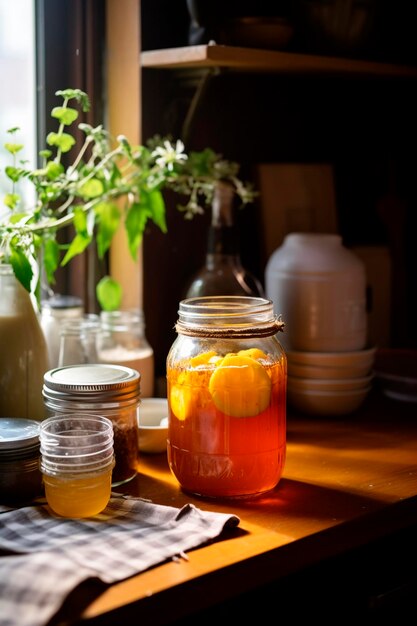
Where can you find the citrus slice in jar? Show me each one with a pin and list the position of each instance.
(189, 394)
(202, 359)
(253, 353)
(240, 386)
(180, 400)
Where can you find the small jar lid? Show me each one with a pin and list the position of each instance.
(58, 301)
(91, 382)
(18, 432)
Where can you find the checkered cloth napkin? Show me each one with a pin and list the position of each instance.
(45, 557)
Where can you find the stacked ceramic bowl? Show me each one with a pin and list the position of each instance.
(329, 383)
(319, 288)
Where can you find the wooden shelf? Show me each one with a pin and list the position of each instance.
(255, 60)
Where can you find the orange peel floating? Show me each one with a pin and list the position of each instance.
(180, 399)
(240, 386)
(189, 394)
(202, 359)
(253, 353)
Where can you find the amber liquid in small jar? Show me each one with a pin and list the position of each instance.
(78, 496)
(77, 460)
(227, 377)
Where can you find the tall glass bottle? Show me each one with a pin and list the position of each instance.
(23, 351)
(223, 272)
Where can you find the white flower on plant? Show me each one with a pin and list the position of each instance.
(167, 155)
(191, 209)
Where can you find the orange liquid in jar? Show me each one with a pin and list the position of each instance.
(78, 497)
(218, 444)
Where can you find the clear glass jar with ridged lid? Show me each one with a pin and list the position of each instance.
(112, 391)
(227, 377)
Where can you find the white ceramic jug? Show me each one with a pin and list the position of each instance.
(319, 288)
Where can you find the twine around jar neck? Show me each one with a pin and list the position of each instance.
(228, 332)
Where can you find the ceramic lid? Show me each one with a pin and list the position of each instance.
(18, 432)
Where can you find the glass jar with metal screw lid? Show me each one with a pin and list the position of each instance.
(227, 375)
(109, 390)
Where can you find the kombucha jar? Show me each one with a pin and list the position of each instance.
(227, 376)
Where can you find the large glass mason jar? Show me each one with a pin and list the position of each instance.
(227, 375)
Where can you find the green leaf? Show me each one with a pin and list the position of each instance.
(11, 200)
(109, 294)
(84, 222)
(157, 207)
(201, 163)
(65, 115)
(84, 236)
(108, 220)
(80, 242)
(62, 141)
(50, 258)
(13, 130)
(80, 96)
(92, 188)
(13, 173)
(135, 223)
(13, 148)
(54, 170)
(25, 218)
(21, 267)
(45, 154)
(80, 221)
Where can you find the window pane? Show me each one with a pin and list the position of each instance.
(18, 81)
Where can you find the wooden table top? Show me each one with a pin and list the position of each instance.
(347, 480)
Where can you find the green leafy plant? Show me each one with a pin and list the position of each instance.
(107, 181)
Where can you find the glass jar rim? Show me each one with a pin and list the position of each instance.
(89, 419)
(81, 470)
(224, 316)
(122, 320)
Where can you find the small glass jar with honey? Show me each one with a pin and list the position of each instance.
(77, 459)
